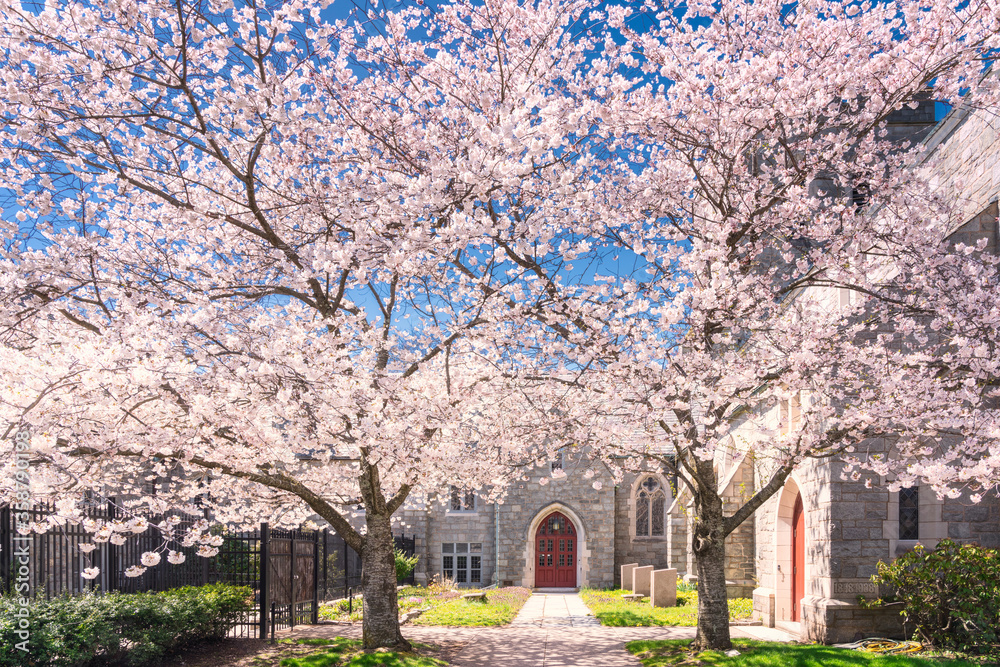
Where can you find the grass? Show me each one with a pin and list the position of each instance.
(409, 597)
(343, 652)
(500, 608)
(666, 653)
(445, 606)
(611, 609)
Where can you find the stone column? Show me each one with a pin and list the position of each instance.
(627, 576)
(663, 588)
(640, 579)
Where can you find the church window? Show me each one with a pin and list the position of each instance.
(909, 514)
(650, 508)
(462, 500)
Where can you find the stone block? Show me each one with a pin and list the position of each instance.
(855, 533)
(640, 579)
(663, 588)
(977, 513)
(627, 575)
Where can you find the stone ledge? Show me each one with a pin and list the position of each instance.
(831, 621)
(412, 614)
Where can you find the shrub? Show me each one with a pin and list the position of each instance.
(133, 629)
(404, 564)
(687, 598)
(951, 595)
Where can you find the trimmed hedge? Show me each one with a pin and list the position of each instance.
(950, 595)
(133, 629)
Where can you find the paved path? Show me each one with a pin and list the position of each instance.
(552, 630)
(555, 610)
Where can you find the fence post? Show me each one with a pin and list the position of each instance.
(315, 610)
(114, 551)
(263, 578)
(346, 574)
(294, 588)
(5, 549)
(326, 572)
(204, 561)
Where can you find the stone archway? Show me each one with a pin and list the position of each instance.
(791, 568)
(582, 555)
(555, 552)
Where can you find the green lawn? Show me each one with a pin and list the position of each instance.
(500, 608)
(609, 607)
(342, 652)
(769, 654)
(445, 607)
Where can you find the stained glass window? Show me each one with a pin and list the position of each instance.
(650, 508)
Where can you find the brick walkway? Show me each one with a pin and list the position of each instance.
(552, 630)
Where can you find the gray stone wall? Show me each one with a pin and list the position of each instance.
(741, 570)
(651, 550)
(976, 523)
(444, 525)
(964, 161)
(981, 226)
(528, 501)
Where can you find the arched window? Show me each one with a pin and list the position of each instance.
(650, 508)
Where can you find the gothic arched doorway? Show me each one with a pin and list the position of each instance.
(555, 552)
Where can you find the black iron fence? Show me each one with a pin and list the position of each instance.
(290, 571)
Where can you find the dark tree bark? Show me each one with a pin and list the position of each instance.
(380, 624)
(708, 543)
(713, 605)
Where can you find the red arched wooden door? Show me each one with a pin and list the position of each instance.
(555, 552)
(798, 559)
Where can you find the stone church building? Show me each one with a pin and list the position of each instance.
(804, 558)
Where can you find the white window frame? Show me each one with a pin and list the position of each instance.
(458, 562)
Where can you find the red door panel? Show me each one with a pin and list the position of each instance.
(798, 559)
(555, 552)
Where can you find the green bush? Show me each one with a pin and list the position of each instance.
(404, 564)
(133, 629)
(951, 595)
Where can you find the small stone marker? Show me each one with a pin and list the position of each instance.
(640, 579)
(663, 584)
(627, 576)
(475, 597)
(633, 597)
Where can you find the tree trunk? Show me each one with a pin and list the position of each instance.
(709, 546)
(380, 624)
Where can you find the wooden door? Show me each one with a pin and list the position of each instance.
(798, 559)
(555, 552)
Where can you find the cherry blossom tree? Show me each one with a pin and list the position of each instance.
(249, 255)
(274, 257)
(767, 188)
